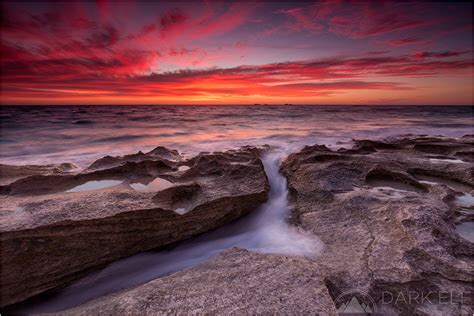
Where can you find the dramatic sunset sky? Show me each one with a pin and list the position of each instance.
(327, 52)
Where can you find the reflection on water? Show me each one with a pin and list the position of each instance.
(433, 180)
(94, 185)
(156, 185)
(387, 184)
(81, 134)
(465, 200)
(435, 160)
(466, 230)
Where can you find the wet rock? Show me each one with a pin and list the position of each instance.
(51, 237)
(47, 184)
(467, 155)
(382, 177)
(436, 148)
(376, 145)
(235, 282)
(165, 153)
(159, 153)
(386, 231)
(11, 173)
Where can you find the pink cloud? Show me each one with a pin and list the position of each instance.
(235, 15)
(171, 19)
(354, 19)
(445, 54)
(402, 42)
(50, 50)
(302, 21)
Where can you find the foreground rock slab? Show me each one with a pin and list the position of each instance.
(388, 231)
(53, 233)
(235, 282)
(387, 214)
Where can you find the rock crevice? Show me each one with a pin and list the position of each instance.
(51, 237)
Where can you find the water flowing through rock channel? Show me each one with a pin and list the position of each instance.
(263, 230)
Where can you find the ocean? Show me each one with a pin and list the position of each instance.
(81, 134)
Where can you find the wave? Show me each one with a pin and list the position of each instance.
(50, 132)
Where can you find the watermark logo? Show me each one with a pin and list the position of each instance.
(361, 303)
(352, 302)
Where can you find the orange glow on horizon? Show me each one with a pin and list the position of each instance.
(237, 53)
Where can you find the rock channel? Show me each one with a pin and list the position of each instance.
(387, 213)
(57, 227)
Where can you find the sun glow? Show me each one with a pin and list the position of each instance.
(237, 53)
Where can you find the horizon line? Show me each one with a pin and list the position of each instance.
(237, 104)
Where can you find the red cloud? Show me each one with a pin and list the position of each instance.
(42, 78)
(180, 24)
(377, 52)
(445, 54)
(106, 37)
(403, 42)
(372, 24)
(354, 19)
(171, 19)
(303, 21)
(57, 54)
(234, 16)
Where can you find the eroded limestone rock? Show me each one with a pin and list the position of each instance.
(235, 282)
(386, 230)
(51, 237)
(11, 173)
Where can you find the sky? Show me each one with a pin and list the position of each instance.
(325, 52)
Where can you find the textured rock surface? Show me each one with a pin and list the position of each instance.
(159, 153)
(385, 210)
(235, 282)
(9, 173)
(51, 237)
(385, 230)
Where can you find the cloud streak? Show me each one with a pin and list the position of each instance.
(309, 78)
(228, 52)
(355, 20)
(403, 42)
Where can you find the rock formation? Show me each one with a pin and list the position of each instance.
(10, 173)
(387, 230)
(159, 153)
(52, 235)
(386, 211)
(235, 282)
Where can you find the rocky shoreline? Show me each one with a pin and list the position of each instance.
(386, 230)
(388, 213)
(51, 237)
